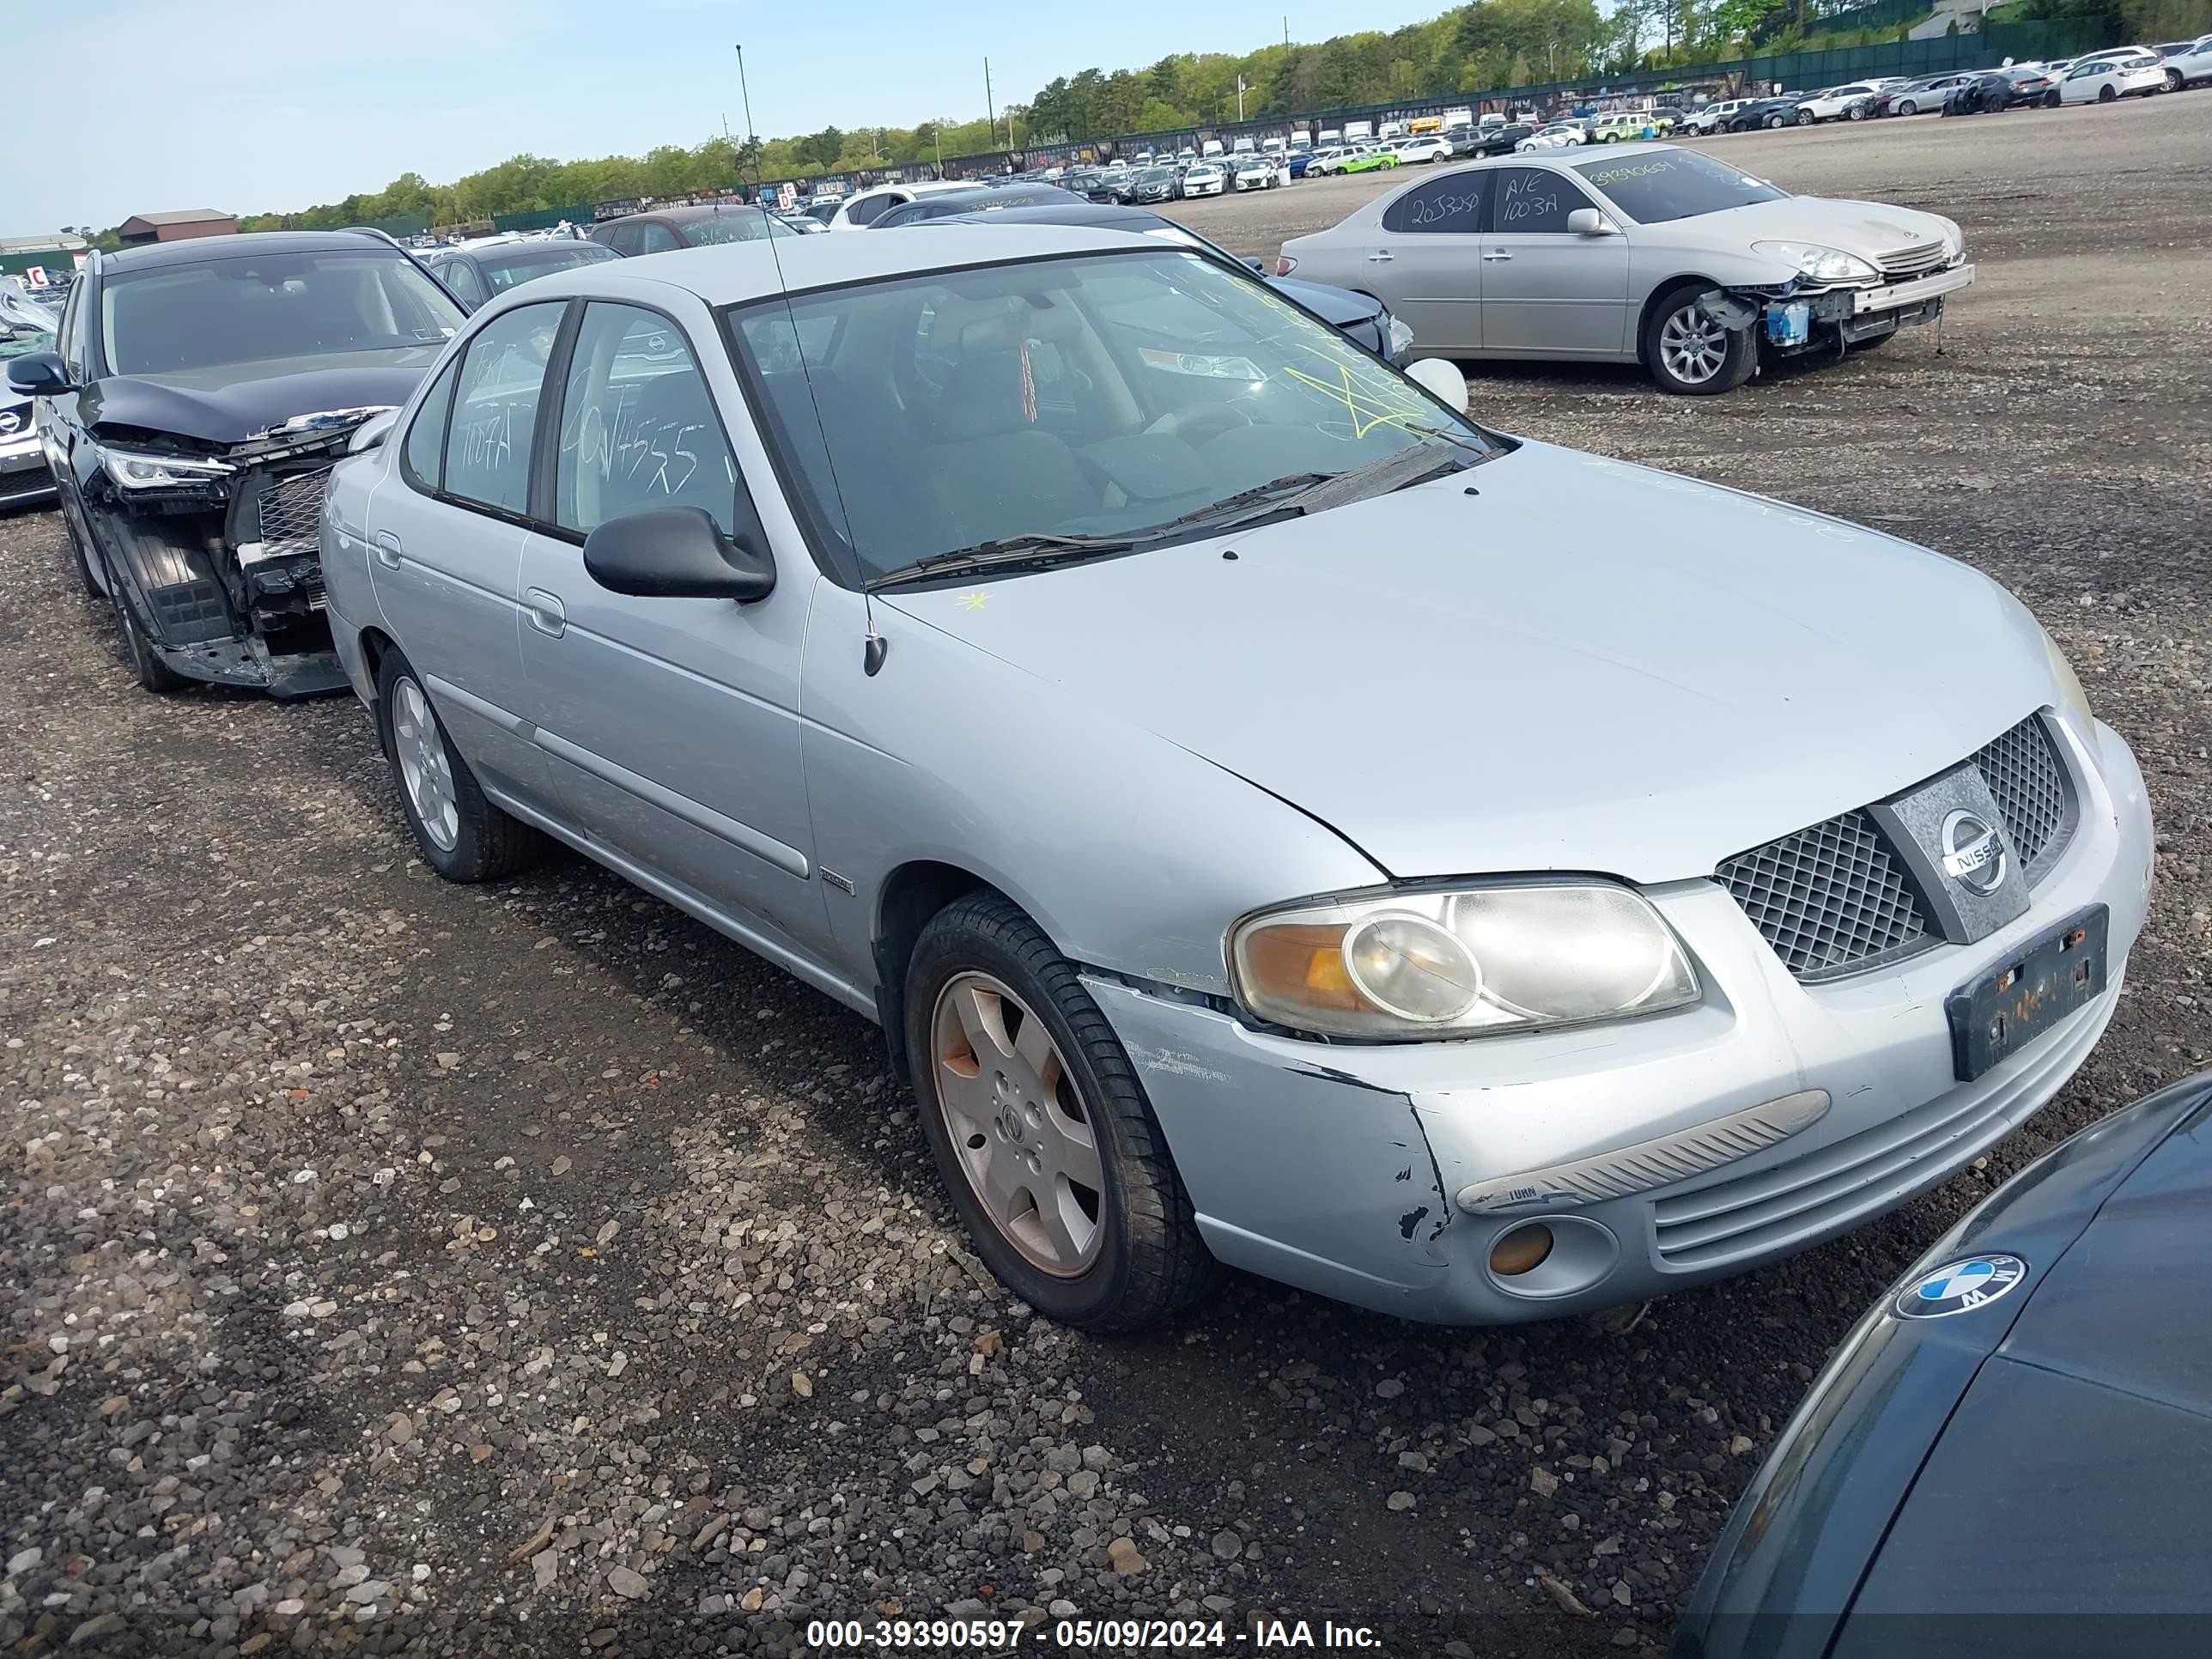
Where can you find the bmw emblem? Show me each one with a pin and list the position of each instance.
(1960, 1286)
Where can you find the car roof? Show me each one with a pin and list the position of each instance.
(199, 249)
(731, 273)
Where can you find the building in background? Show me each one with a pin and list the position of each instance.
(181, 225)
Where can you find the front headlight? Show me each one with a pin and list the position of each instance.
(1822, 265)
(1458, 963)
(129, 469)
(2072, 698)
(1400, 337)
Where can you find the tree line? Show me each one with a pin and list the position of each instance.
(1484, 45)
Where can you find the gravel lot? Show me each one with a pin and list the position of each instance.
(389, 1266)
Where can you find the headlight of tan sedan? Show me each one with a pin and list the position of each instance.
(1459, 962)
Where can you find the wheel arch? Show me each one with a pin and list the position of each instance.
(910, 895)
(375, 645)
(1655, 302)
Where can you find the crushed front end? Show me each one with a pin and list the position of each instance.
(217, 549)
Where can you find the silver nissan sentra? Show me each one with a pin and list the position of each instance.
(1277, 822)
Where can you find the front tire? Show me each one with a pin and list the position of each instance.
(1804, 118)
(146, 666)
(1690, 354)
(1775, 122)
(2174, 80)
(80, 552)
(2051, 100)
(462, 836)
(2108, 95)
(1906, 107)
(1046, 1143)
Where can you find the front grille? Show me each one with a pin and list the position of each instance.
(1835, 899)
(292, 512)
(1829, 898)
(1911, 261)
(2028, 782)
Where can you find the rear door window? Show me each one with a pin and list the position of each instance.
(457, 275)
(1440, 206)
(488, 440)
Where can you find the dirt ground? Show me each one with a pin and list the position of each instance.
(390, 1265)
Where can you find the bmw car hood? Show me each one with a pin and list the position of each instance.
(1587, 666)
(1866, 228)
(229, 405)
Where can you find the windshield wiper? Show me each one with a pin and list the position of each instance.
(1312, 492)
(1032, 548)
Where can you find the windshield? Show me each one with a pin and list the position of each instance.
(1156, 175)
(1107, 395)
(259, 307)
(504, 270)
(1676, 184)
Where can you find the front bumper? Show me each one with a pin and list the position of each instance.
(24, 477)
(1371, 1173)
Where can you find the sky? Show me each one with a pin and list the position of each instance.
(259, 105)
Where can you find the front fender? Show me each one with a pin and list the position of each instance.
(1133, 855)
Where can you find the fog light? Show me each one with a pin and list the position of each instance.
(1520, 1250)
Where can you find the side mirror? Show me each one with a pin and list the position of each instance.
(675, 553)
(37, 375)
(1588, 222)
(371, 433)
(1259, 265)
(1441, 380)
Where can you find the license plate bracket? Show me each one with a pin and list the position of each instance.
(2008, 1008)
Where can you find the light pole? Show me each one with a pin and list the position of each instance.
(1240, 98)
(1552, 58)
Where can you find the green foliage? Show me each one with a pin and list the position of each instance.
(1477, 47)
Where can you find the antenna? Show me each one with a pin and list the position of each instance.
(874, 647)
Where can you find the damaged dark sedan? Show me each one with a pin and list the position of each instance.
(198, 396)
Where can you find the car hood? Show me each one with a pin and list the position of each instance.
(1338, 306)
(1868, 229)
(223, 406)
(1587, 666)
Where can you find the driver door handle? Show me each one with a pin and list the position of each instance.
(546, 612)
(1380, 258)
(1496, 253)
(387, 550)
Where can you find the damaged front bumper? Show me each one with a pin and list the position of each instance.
(224, 571)
(1801, 320)
(1658, 1153)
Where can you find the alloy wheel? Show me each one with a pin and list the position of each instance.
(1017, 1124)
(1692, 345)
(425, 771)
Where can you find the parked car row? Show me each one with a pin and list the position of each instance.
(723, 564)
(2098, 77)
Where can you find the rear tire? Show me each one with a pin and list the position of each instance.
(462, 836)
(1689, 354)
(1128, 1255)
